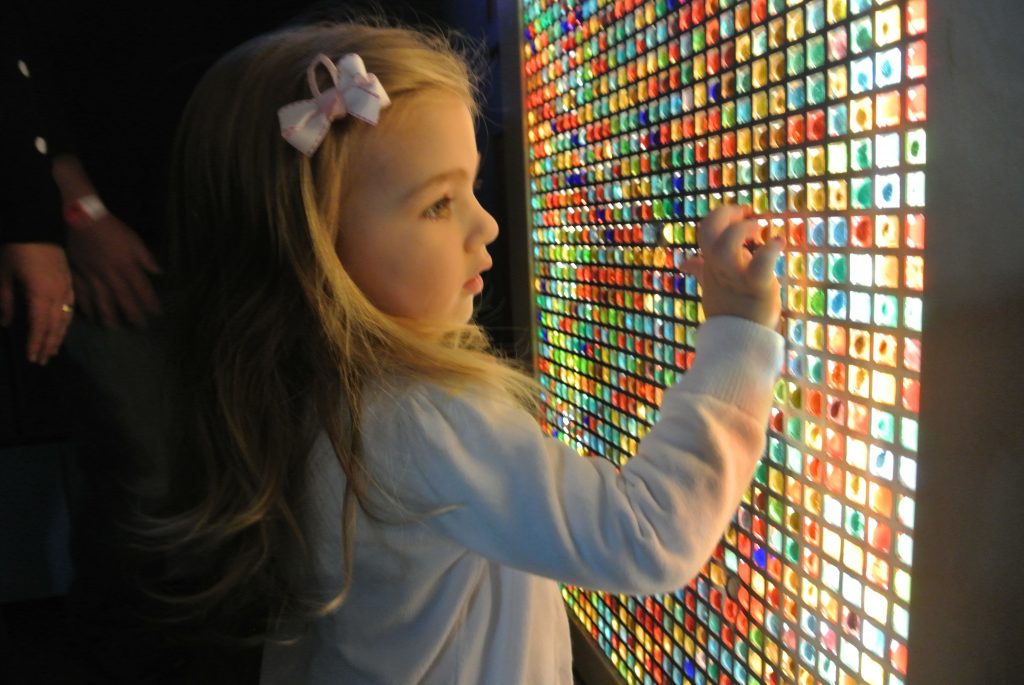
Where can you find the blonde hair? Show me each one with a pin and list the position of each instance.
(275, 343)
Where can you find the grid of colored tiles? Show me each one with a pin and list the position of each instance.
(641, 117)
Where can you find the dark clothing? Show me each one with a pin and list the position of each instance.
(32, 406)
(108, 82)
(113, 79)
(122, 74)
(29, 201)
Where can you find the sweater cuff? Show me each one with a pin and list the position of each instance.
(737, 361)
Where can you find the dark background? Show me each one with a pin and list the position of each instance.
(146, 56)
(153, 52)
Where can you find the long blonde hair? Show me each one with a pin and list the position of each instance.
(275, 343)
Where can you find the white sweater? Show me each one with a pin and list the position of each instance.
(470, 596)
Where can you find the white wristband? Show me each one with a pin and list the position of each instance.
(84, 211)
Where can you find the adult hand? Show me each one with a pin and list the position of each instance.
(42, 269)
(112, 269)
(735, 280)
(112, 265)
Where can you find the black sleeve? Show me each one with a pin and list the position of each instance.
(31, 132)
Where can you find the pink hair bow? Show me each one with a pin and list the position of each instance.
(304, 123)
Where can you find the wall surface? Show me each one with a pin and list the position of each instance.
(968, 597)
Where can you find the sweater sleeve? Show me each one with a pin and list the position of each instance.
(509, 493)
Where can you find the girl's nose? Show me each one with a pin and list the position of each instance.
(490, 228)
(485, 228)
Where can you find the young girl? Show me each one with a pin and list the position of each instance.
(359, 459)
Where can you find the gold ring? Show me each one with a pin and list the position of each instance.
(66, 308)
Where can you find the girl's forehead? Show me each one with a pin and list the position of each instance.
(430, 132)
(425, 110)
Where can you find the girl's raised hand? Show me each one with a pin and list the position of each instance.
(736, 281)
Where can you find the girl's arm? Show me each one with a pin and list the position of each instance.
(531, 502)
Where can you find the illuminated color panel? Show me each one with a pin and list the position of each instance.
(643, 116)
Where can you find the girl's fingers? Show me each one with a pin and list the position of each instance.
(729, 247)
(693, 265)
(723, 235)
(716, 222)
(762, 266)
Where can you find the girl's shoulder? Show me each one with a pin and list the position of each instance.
(421, 404)
(422, 417)
(422, 439)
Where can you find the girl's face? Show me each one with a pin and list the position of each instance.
(412, 235)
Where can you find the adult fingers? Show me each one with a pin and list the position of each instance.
(84, 296)
(61, 312)
(142, 290)
(41, 316)
(125, 299)
(55, 335)
(104, 303)
(148, 261)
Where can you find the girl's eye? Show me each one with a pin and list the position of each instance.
(440, 209)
